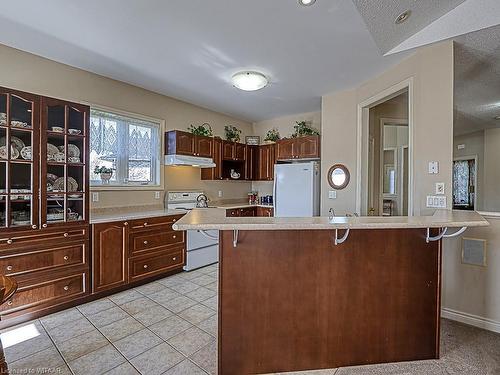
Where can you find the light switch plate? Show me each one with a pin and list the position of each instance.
(433, 167)
(157, 195)
(436, 201)
(439, 188)
(220, 194)
(95, 197)
(332, 194)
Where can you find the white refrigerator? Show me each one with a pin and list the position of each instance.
(296, 189)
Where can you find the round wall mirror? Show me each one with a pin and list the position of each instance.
(338, 176)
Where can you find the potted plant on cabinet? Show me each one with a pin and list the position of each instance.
(303, 129)
(105, 173)
(272, 136)
(204, 130)
(232, 133)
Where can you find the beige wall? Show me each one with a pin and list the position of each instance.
(432, 71)
(285, 127)
(491, 188)
(27, 72)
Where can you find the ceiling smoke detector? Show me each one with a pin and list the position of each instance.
(402, 17)
(249, 81)
(306, 3)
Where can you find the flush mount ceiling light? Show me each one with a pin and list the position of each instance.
(306, 3)
(402, 17)
(496, 117)
(249, 81)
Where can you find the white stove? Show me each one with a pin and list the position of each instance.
(202, 249)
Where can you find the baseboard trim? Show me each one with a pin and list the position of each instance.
(473, 320)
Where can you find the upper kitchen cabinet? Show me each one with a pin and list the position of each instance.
(216, 172)
(251, 163)
(298, 148)
(265, 163)
(233, 151)
(183, 143)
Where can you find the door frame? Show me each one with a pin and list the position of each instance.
(363, 144)
(466, 157)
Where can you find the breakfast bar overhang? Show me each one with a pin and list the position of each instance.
(312, 293)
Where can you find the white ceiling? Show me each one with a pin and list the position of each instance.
(477, 80)
(189, 49)
(379, 17)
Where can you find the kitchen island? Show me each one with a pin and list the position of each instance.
(312, 293)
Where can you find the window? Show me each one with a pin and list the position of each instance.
(129, 145)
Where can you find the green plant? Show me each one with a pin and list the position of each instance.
(232, 133)
(272, 135)
(102, 169)
(303, 129)
(204, 130)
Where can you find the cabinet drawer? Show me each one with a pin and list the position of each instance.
(145, 266)
(162, 222)
(49, 236)
(143, 241)
(233, 212)
(44, 259)
(53, 291)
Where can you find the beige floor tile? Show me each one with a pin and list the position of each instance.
(164, 295)
(185, 287)
(204, 280)
(170, 327)
(96, 306)
(103, 318)
(152, 315)
(137, 305)
(172, 280)
(213, 286)
(196, 314)
(137, 343)
(97, 362)
(124, 369)
(210, 325)
(186, 367)
(201, 294)
(150, 288)
(63, 317)
(47, 361)
(80, 345)
(29, 346)
(71, 329)
(157, 360)
(212, 302)
(121, 328)
(190, 341)
(124, 297)
(177, 304)
(206, 358)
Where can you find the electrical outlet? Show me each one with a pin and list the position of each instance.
(433, 167)
(157, 195)
(332, 194)
(439, 188)
(434, 201)
(95, 197)
(220, 194)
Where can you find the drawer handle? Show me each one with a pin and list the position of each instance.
(9, 303)
(44, 225)
(145, 242)
(174, 220)
(145, 224)
(66, 287)
(174, 236)
(9, 268)
(145, 266)
(9, 241)
(66, 257)
(125, 223)
(33, 227)
(66, 234)
(174, 258)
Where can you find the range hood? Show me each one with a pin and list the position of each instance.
(193, 161)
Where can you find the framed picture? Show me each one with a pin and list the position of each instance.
(253, 140)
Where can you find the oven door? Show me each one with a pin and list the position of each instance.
(197, 240)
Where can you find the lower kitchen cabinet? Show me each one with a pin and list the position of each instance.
(250, 211)
(109, 255)
(265, 211)
(127, 251)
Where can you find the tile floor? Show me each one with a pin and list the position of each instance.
(170, 327)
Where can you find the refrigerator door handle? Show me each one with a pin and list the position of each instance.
(274, 190)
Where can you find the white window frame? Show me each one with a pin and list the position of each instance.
(156, 163)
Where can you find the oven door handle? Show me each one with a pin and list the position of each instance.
(215, 238)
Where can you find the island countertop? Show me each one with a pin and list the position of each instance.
(215, 219)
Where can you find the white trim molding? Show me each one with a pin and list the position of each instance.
(470, 319)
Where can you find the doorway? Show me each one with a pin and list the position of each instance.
(464, 183)
(385, 153)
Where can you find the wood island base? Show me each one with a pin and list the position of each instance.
(291, 300)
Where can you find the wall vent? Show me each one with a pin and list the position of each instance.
(474, 251)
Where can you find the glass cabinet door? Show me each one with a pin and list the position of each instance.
(18, 168)
(64, 162)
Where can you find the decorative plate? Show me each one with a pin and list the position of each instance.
(72, 184)
(14, 154)
(14, 142)
(58, 184)
(51, 178)
(20, 124)
(74, 131)
(73, 151)
(51, 151)
(26, 153)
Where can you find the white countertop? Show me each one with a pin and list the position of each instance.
(213, 218)
(130, 215)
